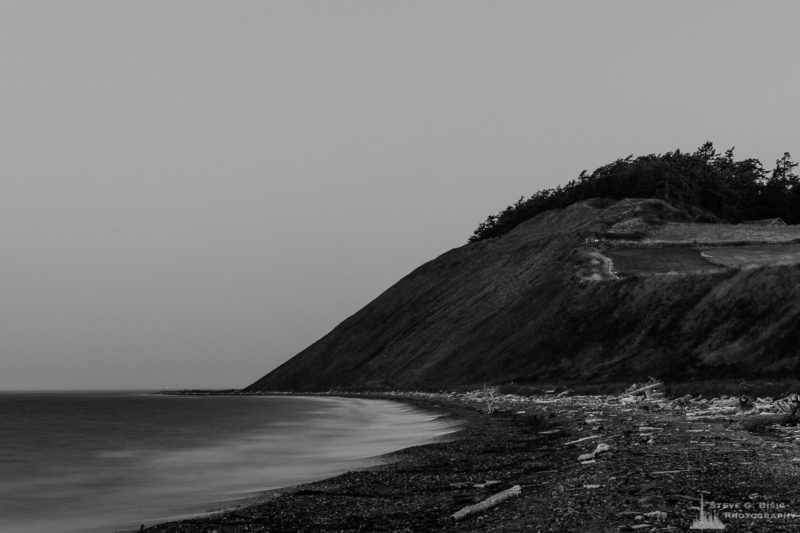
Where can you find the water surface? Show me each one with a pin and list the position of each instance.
(92, 462)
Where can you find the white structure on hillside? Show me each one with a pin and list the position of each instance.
(766, 222)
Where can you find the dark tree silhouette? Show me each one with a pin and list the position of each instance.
(700, 182)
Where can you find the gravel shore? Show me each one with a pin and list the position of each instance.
(651, 468)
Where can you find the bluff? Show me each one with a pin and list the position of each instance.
(546, 302)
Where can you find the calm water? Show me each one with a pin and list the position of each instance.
(91, 462)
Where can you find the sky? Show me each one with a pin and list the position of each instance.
(195, 191)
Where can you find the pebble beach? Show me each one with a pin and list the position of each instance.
(555, 463)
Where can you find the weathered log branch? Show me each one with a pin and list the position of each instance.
(752, 422)
(489, 502)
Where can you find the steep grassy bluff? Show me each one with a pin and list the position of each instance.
(557, 298)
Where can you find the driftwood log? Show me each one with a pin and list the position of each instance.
(646, 388)
(753, 422)
(489, 502)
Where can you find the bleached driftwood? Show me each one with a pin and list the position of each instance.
(581, 440)
(718, 416)
(488, 503)
(641, 389)
(601, 448)
(488, 395)
(753, 422)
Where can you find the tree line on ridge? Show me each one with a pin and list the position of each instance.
(711, 182)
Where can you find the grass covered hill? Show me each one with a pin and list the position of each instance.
(546, 301)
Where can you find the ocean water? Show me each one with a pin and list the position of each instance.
(105, 462)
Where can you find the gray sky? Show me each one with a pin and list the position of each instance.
(192, 191)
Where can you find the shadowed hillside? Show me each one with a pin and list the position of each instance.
(544, 302)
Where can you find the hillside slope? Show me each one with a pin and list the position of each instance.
(544, 303)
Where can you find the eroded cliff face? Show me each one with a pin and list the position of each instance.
(545, 303)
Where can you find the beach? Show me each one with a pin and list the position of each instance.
(656, 467)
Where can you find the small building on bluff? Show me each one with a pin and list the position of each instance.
(766, 222)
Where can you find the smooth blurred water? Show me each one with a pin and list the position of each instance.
(92, 462)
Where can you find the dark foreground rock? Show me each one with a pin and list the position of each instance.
(657, 466)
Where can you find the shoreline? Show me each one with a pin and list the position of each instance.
(431, 426)
(658, 465)
(220, 519)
